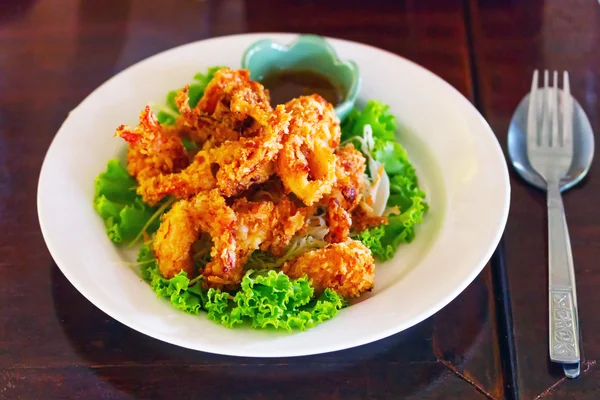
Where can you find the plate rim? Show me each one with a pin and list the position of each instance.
(379, 334)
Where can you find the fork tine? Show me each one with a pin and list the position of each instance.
(544, 110)
(567, 111)
(532, 132)
(554, 110)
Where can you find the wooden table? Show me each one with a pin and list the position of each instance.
(490, 342)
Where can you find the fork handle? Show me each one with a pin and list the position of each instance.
(563, 318)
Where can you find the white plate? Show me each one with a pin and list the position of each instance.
(458, 159)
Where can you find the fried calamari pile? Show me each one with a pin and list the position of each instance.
(258, 179)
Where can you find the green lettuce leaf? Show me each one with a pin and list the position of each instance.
(115, 183)
(394, 158)
(124, 213)
(405, 193)
(272, 299)
(383, 240)
(402, 192)
(375, 114)
(188, 143)
(265, 299)
(183, 293)
(168, 114)
(372, 238)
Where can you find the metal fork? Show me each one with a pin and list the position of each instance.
(550, 152)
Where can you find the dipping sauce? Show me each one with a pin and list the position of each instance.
(286, 85)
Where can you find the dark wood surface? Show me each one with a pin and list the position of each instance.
(56, 344)
(510, 40)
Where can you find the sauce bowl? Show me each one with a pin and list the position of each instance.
(306, 53)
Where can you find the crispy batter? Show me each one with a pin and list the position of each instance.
(181, 227)
(254, 225)
(250, 160)
(223, 86)
(207, 127)
(232, 106)
(363, 218)
(306, 164)
(197, 177)
(339, 222)
(288, 219)
(346, 194)
(252, 100)
(272, 190)
(182, 129)
(235, 232)
(347, 268)
(152, 150)
(255, 183)
(228, 161)
(349, 170)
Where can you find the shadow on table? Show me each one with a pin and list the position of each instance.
(133, 363)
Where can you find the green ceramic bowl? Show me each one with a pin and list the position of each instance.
(307, 52)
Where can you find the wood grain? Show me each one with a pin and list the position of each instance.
(510, 41)
(56, 344)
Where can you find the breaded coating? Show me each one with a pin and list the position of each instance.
(182, 225)
(347, 193)
(152, 150)
(233, 167)
(207, 127)
(250, 160)
(259, 225)
(306, 163)
(272, 190)
(288, 219)
(224, 85)
(363, 218)
(197, 177)
(338, 221)
(350, 173)
(255, 182)
(252, 100)
(254, 225)
(232, 106)
(232, 162)
(235, 233)
(347, 268)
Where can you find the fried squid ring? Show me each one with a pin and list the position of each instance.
(254, 225)
(306, 163)
(230, 106)
(223, 86)
(288, 219)
(339, 222)
(152, 150)
(347, 268)
(350, 177)
(197, 177)
(206, 127)
(234, 165)
(250, 160)
(181, 227)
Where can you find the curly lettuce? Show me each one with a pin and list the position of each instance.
(183, 293)
(124, 212)
(374, 130)
(266, 298)
(377, 115)
(272, 299)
